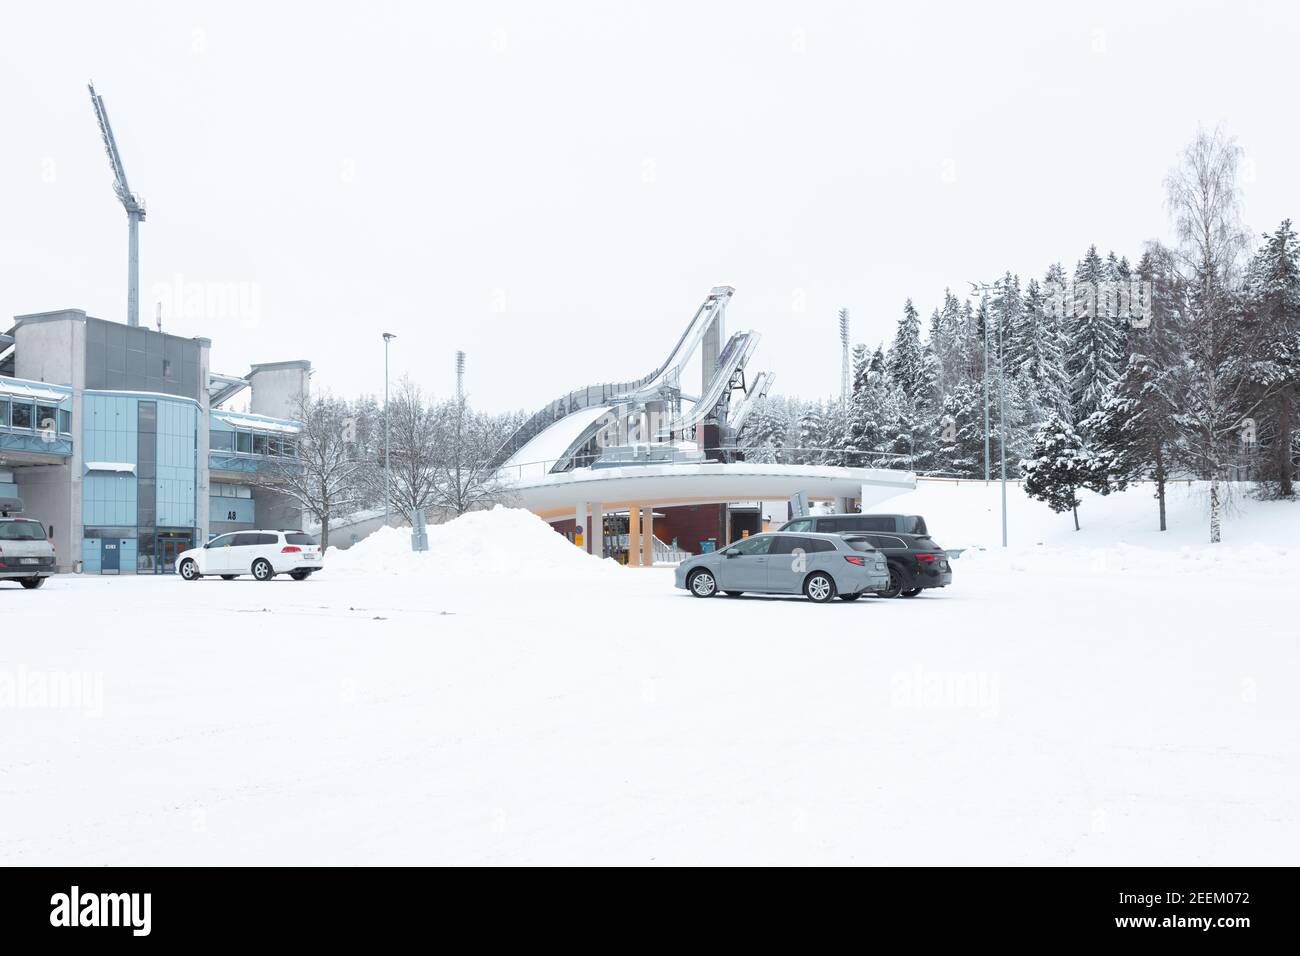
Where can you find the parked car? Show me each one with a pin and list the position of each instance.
(915, 562)
(26, 554)
(263, 554)
(839, 524)
(819, 566)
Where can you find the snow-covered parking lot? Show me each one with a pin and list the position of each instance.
(1118, 706)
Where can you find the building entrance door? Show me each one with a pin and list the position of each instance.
(110, 556)
(169, 548)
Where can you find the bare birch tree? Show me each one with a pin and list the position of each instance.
(1204, 201)
(324, 478)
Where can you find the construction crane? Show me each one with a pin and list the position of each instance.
(134, 209)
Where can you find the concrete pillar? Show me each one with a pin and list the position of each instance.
(202, 475)
(597, 530)
(633, 536)
(648, 538)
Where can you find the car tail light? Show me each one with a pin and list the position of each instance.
(290, 549)
(857, 559)
(927, 557)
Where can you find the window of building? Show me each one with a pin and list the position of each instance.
(245, 443)
(259, 444)
(221, 441)
(65, 421)
(4, 413)
(47, 417)
(126, 534)
(21, 415)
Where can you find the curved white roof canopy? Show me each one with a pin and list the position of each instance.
(663, 486)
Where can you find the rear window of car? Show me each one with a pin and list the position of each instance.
(22, 530)
(924, 543)
(298, 538)
(859, 544)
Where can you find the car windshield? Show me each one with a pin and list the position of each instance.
(299, 538)
(22, 530)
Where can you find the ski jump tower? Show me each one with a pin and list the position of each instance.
(657, 419)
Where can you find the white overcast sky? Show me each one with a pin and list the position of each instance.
(553, 187)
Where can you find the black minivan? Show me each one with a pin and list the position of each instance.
(841, 524)
(916, 562)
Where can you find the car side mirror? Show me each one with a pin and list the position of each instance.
(206, 546)
(731, 554)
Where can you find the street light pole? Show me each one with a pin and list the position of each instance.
(388, 337)
(985, 288)
(1002, 425)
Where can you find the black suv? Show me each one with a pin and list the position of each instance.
(916, 562)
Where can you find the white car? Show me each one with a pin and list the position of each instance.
(263, 554)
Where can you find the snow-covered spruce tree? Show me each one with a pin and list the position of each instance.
(1274, 372)
(763, 438)
(1135, 431)
(960, 451)
(812, 434)
(1095, 338)
(1060, 466)
(906, 361)
(1036, 355)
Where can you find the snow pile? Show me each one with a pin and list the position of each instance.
(504, 546)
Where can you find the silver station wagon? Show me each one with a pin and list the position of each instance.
(819, 566)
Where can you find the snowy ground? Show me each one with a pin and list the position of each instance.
(1072, 703)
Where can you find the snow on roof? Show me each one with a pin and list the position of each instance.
(264, 424)
(13, 389)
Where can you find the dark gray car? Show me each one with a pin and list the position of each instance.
(820, 566)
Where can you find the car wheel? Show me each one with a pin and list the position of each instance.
(733, 593)
(911, 592)
(895, 584)
(703, 584)
(31, 584)
(262, 570)
(190, 570)
(850, 597)
(229, 577)
(819, 588)
(300, 575)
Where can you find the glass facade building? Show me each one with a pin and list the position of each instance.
(110, 436)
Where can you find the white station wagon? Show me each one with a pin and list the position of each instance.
(263, 554)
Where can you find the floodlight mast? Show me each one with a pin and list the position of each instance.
(133, 204)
